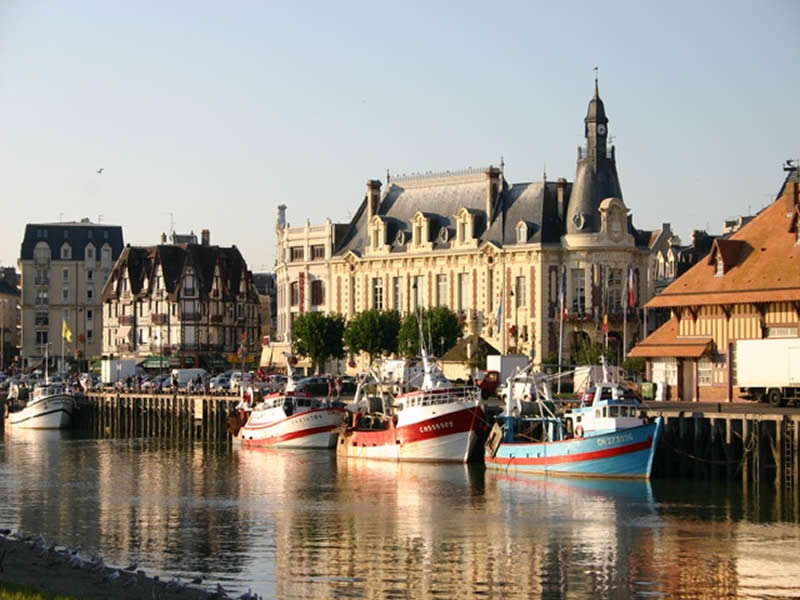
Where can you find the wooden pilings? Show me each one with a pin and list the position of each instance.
(176, 416)
(759, 450)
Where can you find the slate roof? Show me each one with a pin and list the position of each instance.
(77, 234)
(534, 203)
(141, 263)
(762, 264)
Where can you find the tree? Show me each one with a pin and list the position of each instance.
(589, 354)
(440, 329)
(318, 337)
(372, 331)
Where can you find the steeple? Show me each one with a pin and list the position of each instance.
(596, 177)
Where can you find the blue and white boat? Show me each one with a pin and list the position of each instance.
(608, 437)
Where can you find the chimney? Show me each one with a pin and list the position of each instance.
(281, 222)
(205, 237)
(792, 196)
(163, 238)
(492, 191)
(561, 203)
(373, 197)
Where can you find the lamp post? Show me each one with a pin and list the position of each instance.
(3, 335)
(516, 321)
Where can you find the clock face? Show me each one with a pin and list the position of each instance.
(601, 129)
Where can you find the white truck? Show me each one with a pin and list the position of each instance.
(769, 370)
(113, 370)
(506, 364)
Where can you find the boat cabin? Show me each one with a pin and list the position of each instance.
(610, 408)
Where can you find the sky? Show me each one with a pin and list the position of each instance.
(210, 114)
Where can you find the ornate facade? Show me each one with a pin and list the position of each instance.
(494, 252)
(193, 303)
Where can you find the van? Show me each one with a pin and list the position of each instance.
(184, 376)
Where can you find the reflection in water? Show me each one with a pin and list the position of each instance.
(302, 524)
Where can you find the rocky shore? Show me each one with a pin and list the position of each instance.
(68, 571)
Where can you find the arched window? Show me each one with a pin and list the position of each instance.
(66, 251)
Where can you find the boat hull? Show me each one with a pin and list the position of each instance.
(627, 453)
(451, 437)
(47, 413)
(317, 428)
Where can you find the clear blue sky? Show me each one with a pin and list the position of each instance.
(217, 112)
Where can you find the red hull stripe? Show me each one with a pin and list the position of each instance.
(297, 416)
(571, 458)
(469, 419)
(288, 436)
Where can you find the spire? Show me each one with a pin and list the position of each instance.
(596, 90)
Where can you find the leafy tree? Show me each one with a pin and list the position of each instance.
(634, 366)
(372, 331)
(440, 329)
(318, 337)
(589, 354)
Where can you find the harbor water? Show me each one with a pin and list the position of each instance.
(304, 524)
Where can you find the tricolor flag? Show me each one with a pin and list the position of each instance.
(630, 286)
(605, 322)
(562, 293)
(500, 308)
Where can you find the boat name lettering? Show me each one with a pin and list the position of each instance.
(436, 426)
(615, 439)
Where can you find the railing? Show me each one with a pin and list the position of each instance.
(583, 152)
(126, 320)
(159, 318)
(439, 174)
(190, 316)
(41, 281)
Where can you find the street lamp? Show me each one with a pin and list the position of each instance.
(3, 335)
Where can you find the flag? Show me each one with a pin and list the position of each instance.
(244, 337)
(65, 331)
(562, 293)
(500, 308)
(630, 286)
(605, 322)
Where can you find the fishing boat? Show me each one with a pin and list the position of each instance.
(438, 422)
(607, 436)
(50, 406)
(290, 418)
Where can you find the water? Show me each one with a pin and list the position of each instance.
(303, 525)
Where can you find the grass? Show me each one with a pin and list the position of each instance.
(9, 591)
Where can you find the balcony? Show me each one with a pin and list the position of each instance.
(216, 318)
(190, 316)
(159, 318)
(126, 320)
(41, 280)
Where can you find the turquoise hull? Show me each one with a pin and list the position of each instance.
(626, 453)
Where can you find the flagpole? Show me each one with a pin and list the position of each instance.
(561, 327)
(62, 346)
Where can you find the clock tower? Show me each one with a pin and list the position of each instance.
(596, 177)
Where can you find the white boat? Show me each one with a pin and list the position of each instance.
(287, 419)
(437, 423)
(50, 407)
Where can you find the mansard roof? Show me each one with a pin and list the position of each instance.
(76, 234)
(142, 262)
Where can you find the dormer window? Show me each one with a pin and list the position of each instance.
(719, 267)
(377, 233)
(66, 252)
(420, 231)
(522, 232)
(465, 227)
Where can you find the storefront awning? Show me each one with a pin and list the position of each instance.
(665, 343)
(156, 362)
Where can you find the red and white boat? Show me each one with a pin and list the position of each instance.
(437, 423)
(287, 419)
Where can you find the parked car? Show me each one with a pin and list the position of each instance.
(316, 385)
(220, 383)
(238, 378)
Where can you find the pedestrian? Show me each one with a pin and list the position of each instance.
(338, 386)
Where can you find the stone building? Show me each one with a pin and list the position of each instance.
(492, 250)
(182, 305)
(747, 287)
(63, 268)
(9, 317)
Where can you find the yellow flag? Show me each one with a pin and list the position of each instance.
(65, 332)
